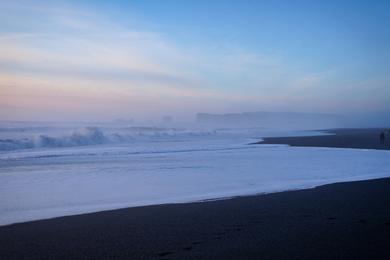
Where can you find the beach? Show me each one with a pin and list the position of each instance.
(367, 138)
(337, 221)
(194, 130)
(348, 220)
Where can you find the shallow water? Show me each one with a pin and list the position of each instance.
(144, 166)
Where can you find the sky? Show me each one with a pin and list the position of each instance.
(104, 60)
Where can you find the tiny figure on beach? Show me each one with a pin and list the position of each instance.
(382, 138)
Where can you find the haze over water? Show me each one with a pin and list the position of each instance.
(114, 104)
(142, 60)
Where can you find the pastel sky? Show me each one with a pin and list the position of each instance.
(102, 60)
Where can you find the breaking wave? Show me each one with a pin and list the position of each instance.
(95, 136)
(82, 136)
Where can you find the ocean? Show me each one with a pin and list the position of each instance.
(50, 170)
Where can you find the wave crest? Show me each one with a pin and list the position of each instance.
(80, 137)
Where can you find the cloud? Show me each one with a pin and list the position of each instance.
(63, 55)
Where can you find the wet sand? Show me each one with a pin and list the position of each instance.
(337, 221)
(340, 138)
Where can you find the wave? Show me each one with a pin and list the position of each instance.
(94, 136)
(80, 137)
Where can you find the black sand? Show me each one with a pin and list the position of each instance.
(342, 138)
(337, 221)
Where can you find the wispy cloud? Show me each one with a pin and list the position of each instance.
(62, 54)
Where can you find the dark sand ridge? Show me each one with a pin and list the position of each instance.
(338, 221)
(340, 138)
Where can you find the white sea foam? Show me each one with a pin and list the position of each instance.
(12, 139)
(82, 136)
(30, 138)
(168, 166)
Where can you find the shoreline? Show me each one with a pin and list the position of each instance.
(343, 220)
(78, 185)
(340, 138)
(290, 224)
